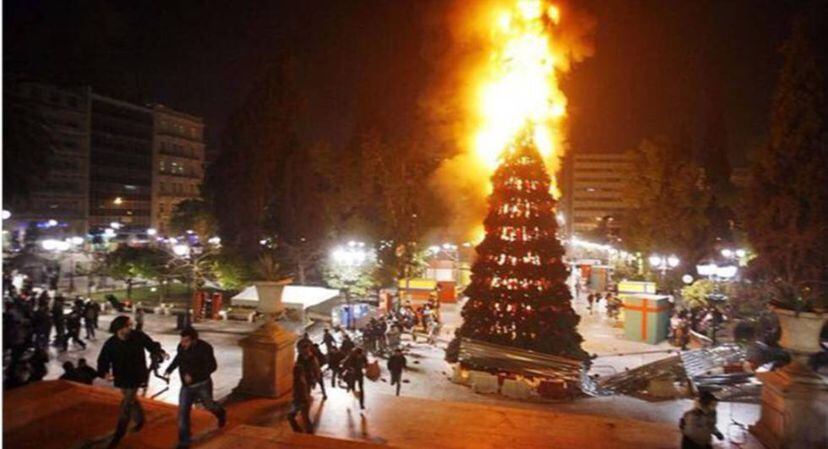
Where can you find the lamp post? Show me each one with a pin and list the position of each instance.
(350, 257)
(664, 263)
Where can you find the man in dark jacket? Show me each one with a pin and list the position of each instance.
(356, 362)
(396, 365)
(328, 340)
(301, 400)
(123, 354)
(334, 361)
(195, 362)
(59, 321)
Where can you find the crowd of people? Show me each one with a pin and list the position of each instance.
(347, 364)
(612, 302)
(33, 320)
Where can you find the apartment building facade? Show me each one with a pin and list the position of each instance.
(593, 190)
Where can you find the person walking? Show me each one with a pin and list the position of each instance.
(90, 316)
(590, 301)
(313, 372)
(347, 345)
(396, 365)
(59, 321)
(42, 322)
(195, 361)
(73, 327)
(699, 424)
(122, 359)
(334, 357)
(328, 340)
(301, 400)
(356, 362)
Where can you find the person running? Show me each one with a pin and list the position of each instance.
(301, 400)
(122, 359)
(328, 340)
(396, 365)
(90, 316)
(313, 372)
(699, 424)
(356, 362)
(195, 361)
(347, 345)
(335, 357)
(73, 327)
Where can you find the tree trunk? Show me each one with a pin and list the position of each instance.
(300, 272)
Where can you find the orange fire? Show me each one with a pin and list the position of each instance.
(517, 85)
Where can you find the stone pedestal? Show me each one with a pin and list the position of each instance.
(267, 365)
(794, 409)
(795, 398)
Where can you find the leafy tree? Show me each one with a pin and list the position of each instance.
(267, 268)
(242, 181)
(230, 271)
(518, 294)
(697, 293)
(788, 223)
(196, 215)
(669, 200)
(713, 159)
(129, 263)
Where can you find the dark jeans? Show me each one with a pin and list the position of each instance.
(130, 409)
(90, 330)
(334, 373)
(322, 386)
(396, 379)
(360, 380)
(304, 409)
(200, 392)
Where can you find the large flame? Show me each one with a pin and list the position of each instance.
(517, 86)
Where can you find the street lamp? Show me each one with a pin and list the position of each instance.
(351, 257)
(664, 263)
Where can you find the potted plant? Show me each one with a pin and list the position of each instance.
(801, 310)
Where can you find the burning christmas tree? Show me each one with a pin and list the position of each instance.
(518, 295)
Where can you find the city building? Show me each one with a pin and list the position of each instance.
(111, 161)
(178, 161)
(593, 191)
(120, 178)
(59, 200)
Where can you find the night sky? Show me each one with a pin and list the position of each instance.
(658, 66)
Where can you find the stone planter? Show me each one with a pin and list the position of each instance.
(270, 297)
(800, 332)
(795, 398)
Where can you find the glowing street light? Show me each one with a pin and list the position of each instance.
(664, 263)
(181, 250)
(151, 232)
(6, 214)
(351, 257)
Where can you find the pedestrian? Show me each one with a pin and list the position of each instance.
(195, 361)
(305, 340)
(301, 400)
(122, 359)
(396, 365)
(590, 301)
(313, 372)
(73, 325)
(68, 372)
(85, 373)
(90, 316)
(59, 321)
(356, 362)
(334, 363)
(139, 317)
(699, 424)
(347, 345)
(328, 340)
(42, 322)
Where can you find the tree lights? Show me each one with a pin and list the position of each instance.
(518, 295)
